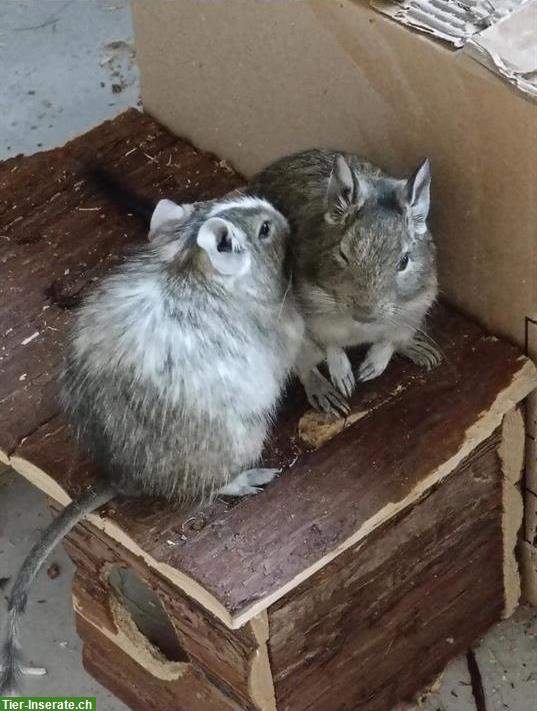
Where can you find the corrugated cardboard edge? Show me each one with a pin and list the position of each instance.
(444, 19)
(413, 16)
(509, 48)
(487, 40)
(522, 383)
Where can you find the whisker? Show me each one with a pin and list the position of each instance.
(285, 297)
(407, 322)
(397, 323)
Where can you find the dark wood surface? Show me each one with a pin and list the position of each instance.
(384, 618)
(370, 629)
(219, 659)
(142, 691)
(57, 237)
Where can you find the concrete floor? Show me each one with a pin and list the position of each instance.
(66, 65)
(48, 633)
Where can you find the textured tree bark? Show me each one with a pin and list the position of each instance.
(386, 616)
(373, 627)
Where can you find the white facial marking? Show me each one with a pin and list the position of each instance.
(247, 201)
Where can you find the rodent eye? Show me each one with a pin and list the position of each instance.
(264, 230)
(403, 264)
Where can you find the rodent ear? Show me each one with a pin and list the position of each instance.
(220, 241)
(167, 214)
(344, 191)
(417, 196)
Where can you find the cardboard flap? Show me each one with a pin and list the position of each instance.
(509, 48)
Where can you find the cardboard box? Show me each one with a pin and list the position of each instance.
(252, 81)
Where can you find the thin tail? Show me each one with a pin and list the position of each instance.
(118, 192)
(11, 668)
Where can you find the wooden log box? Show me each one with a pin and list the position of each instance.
(385, 547)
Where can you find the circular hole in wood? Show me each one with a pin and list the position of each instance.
(147, 612)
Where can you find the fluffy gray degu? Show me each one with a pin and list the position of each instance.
(363, 264)
(174, 369)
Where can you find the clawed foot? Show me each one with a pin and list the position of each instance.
(422, 352)
(323, 396)
(249, 482)
(376, 361)
(340, 371)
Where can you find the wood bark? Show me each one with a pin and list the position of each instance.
(386, 616)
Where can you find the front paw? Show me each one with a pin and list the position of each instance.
(422, 352)
(340, 371)
(323, 396)
(376, 361)
(249, 482)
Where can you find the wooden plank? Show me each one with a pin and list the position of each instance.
(139, 689)
(383, 619)
(246, 555)
(225, 657)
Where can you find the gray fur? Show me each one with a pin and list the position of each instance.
(173, 372)
(174, 369)
(352, 225)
